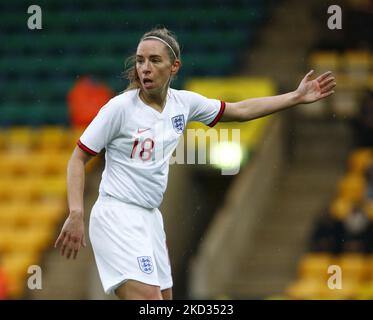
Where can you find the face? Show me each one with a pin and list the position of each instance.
(153, 65)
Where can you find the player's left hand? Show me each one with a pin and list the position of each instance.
(312, 90)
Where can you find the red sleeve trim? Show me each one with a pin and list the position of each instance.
(218, 116)
(86, 149)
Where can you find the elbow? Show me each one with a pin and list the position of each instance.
(78, 157)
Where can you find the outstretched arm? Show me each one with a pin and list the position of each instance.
(308, 91)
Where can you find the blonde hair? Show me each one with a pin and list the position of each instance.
(172, 47)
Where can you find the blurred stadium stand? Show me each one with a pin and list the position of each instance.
(259, 245)
(343, 234)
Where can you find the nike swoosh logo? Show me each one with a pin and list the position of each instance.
(142, 130)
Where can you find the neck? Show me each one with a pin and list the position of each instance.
(156, 100)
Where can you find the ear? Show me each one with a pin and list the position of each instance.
(175, 67)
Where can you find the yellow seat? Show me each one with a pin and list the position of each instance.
(26, 189)
(315, 266)
(6, 237)
(340, 208)
(365, 291)
(53, 138)
(352, 187)
(20, 138)
(322, 61)
(369, 267)
(368, 208)
(360, 160)
(305, 289)
(53, 187)
(13, 164)
(353, 266)
(32, 239)
(9, 214)
(51, 163)
(5, 191)
(357, 65)
(46, 215)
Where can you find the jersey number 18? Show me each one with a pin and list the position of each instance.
(146, 146)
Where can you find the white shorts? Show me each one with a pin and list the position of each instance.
(129, 242)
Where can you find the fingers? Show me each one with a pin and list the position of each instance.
(323, 76)
(328, 87)
(64, 245)
(326, 81)
(76, 250)
(71, 246)
(326, 94)
(83, 243)
(309, 74)
(59, 239)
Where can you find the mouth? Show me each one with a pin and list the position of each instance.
(147, 82)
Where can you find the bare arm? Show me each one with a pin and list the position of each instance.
(75, 180)
(72, 234)
(308, 91)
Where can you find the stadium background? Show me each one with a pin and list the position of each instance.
(302, 200)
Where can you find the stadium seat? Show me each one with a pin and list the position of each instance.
(369, 267)
(322, 61)
(368, 209)
(353, 266)
(20, 138)
(52, 138)
(6, 237)
(357, 65)
(45, 215)
(365, 291)
(50, 163)
(13, 164)
(33, 238)
(26, 188)
(359, 160)
(340, 208)
(306, 289)
(5, 190)
(53, 187)
(352, 187)
(315, 266)
(9, 214)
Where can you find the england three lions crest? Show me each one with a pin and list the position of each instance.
(146, 264)
(178, 123)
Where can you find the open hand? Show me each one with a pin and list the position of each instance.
(312, 90)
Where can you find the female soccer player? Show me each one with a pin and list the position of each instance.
(140, 129)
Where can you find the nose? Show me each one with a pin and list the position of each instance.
(146, 67)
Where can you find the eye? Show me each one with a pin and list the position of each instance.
(139, 60)
(155, 60)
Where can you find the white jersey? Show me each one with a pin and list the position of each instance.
(139, 141)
